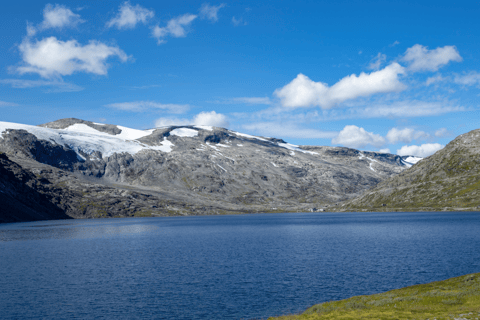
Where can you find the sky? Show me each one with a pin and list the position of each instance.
(390, 76)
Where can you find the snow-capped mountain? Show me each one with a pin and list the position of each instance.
(190, 169)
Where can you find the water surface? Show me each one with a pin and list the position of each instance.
(224, 267)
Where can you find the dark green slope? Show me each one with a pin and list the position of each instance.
(447, 180)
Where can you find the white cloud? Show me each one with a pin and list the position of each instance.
(400, 109)
(210, 12)
(355, 137)
(303, 92)
(287, 130)
(386, 150)
(52, 58)
(377, 62)
(167, 122)
(469, 79)
(176, 28)
(202, 119)
(442, 132)
(59, 16)
(139, 106)
(423, 151)
(7, 104)
(422, 59)
(128, 16)
(394, 43)
(252, 100)
(54, 85)
(435, 79)
(238, 22)
(406, 135)
(211, 119)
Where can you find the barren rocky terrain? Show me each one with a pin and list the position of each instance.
(90, 170)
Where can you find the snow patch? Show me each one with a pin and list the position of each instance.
(184, 132)
(294, 147)
(221, 167)
(209, 128)
(273, 164)
(410, 161)
(247, 136)
(80, 137)
(223, 145)
(213, 147)
(413, 160)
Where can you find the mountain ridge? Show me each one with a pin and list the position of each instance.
(447, 180)
(188, 169)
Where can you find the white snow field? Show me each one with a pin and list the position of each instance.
(80, 137)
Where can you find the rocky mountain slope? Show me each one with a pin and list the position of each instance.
(447, 180)
(23, 197)
(108, 170)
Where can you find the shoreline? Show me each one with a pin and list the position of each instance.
(453, 298)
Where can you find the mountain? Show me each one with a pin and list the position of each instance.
(103, 170)
(447, 180)
(23, 197)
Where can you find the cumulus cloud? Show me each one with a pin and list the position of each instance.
(202, 119)
(303, 92)
(211, 119)
(423, 151)
(355, 137)
(470, 79)
(52, 85)
(59, 16)
(210, 12)
(139, 106)
(420, 58)
(406, 135)
(128, 16)
(287, 130)
(442, 132)
(176, 28)
(52, 58)
(386, 150)
(377, 62)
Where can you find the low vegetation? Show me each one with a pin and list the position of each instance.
(449, 180)
(455, 298)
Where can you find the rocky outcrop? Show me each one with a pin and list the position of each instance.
(24, 197)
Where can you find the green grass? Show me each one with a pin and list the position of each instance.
(455, 298)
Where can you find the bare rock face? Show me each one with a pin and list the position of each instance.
(447, 180)
(108, 170)
(23, 197)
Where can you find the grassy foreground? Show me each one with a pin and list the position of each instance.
(455, 298)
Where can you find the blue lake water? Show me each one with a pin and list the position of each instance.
(224, 267)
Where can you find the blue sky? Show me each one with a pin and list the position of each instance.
(400, 77)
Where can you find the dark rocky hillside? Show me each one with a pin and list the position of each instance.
(23, 197)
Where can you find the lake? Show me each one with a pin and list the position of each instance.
(224, 267)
